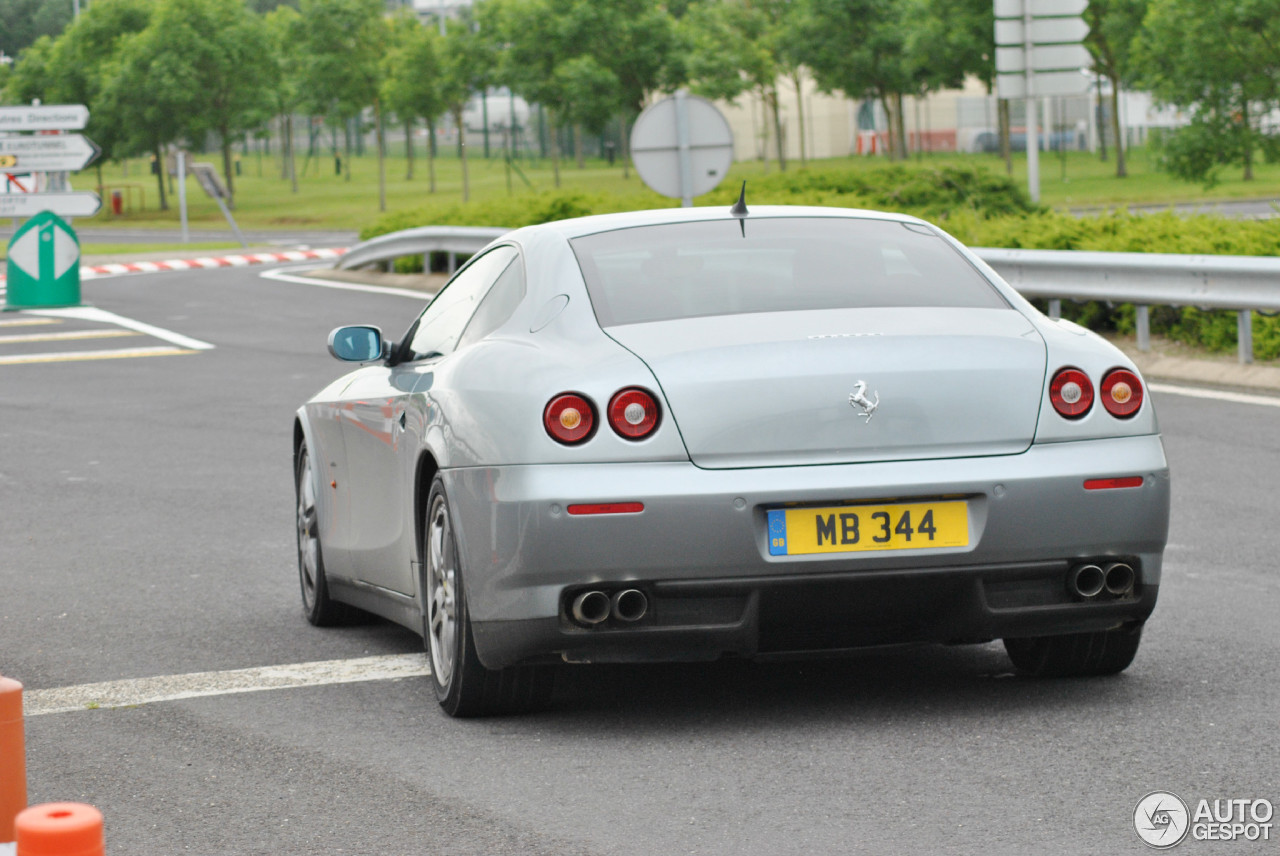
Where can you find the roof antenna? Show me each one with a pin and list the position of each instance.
(739, 209)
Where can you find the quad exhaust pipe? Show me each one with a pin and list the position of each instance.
(593, 607)
(1087, 581)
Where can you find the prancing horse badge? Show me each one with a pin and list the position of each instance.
(858, 398)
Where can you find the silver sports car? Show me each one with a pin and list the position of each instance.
(686, 434)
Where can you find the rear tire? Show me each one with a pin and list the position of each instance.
(464, 686)
(319, 609)
(1106, 652)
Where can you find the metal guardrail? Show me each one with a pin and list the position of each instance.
(453, 240)
(1241, 283)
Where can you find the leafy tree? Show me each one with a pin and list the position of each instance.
(467, 60)
(228, 62)
(281, 24)
(147, 92)
(411, 87)
(24, 21)
(340, 43)
(859, 47)
(1113, 26)
(72, 66)
(33, 74)
(1221, 62)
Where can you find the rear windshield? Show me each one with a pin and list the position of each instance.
(690, 270)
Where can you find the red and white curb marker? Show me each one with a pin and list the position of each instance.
(206, 263)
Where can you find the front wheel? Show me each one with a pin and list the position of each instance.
(464, 686)
(1106, 652)
(319, 609)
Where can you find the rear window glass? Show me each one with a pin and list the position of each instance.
(690, 270)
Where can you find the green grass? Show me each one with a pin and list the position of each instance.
(328, 201)
(99, 249)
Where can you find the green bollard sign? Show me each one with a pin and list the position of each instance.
(44, 264)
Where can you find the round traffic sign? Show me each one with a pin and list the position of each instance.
(682, 146)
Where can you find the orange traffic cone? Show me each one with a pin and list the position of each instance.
(13, 758)
(60, 829)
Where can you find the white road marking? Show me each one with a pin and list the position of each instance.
(139, 691)
(67, 336)
(284, 275)
(1216, 394)
(74, 356)
(27, 322)
(93, 313)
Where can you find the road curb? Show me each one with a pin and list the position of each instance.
(204, 263)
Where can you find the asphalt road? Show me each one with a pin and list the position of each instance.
(146, 529)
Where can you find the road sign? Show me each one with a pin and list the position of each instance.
(44, 264)
(44, 117)
(53, 153)
(1046, 83)
(1043, 58)
(1044, 31)
(1039, 8)
(76, 203)
(682, 146)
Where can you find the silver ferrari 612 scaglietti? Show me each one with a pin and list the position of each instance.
(686, 434)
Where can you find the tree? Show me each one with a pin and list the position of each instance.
(1113, 25)
(467, 61)
(229, 67)
(340, 43)
(24, 21)
(859, 47)
(411, 86)
(74, 65)
(281, 24)
(1221, 62)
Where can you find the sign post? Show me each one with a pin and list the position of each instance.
(1039, 54)
(44, 264)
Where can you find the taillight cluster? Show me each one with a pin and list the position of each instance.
(1071, 393)
(570, 417)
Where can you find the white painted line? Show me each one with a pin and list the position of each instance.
(138, 691)
(79, 356)
(1216, 394)
(92, 313)
(284, 275)
(67, 336)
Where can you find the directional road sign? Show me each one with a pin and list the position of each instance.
(1039, 8)
(44, 264)
(44, 117)
(1044, 31)
(1043, 58)
(54, 153)
(1047, 83)
(78, 203)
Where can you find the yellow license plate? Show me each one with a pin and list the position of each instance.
(857, 528)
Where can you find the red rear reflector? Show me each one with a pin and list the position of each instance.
(608, 508)
(1111, 484)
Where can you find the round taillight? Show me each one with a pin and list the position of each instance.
(633, 413)
(569, 418)
(1121, 393)
(1071, 392)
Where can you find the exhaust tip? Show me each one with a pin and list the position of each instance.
(1086, 581)
(630, 605)
(590, 608)
(1119, 579)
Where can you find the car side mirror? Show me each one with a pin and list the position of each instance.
(357, 344)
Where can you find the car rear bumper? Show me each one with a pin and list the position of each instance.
(699, 552)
